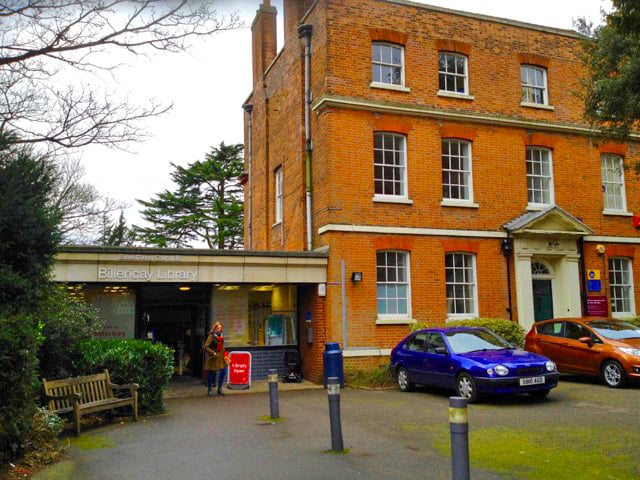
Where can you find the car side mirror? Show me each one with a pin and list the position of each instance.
(587, 340)
(441, 350)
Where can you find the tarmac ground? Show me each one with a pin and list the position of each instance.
(387, 435)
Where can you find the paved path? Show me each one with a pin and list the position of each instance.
(389, 434)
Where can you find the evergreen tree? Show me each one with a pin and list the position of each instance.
(206, 206)
(28, 238)
(116, 234)
(612, 56)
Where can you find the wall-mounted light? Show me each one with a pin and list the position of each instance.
(356, 276)
(600, 249)
(506, 247)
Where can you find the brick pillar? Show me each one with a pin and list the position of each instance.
(294, 11)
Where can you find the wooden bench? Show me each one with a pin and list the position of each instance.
(88, 394)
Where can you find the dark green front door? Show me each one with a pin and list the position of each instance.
(542, 300)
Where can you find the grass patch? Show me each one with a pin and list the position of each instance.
(341, 452)
(375, 378)
(551, 452)
(267, 418)
(92, 442)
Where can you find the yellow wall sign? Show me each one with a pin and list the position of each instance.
(593, 274)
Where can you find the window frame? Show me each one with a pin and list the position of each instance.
(533, 205)
(622, 196)
(278, 191)
(454, 74)
(528, 86)
(468, 174)
(380, 64)
(404, 317)
(473, 285)
(403, 182)
(625, 267)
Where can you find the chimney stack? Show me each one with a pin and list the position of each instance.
(264, 39)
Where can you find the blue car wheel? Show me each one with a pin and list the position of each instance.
(466, 387)
(405, 384)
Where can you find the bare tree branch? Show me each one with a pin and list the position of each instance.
(39, 40)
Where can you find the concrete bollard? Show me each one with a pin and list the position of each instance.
(273, 393)
(333, 390)
(459, 428)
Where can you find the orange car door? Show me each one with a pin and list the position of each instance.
(551, 343)
(579, 356)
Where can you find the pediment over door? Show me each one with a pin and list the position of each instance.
(553, 220)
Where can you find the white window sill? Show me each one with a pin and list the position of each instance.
(366, 352)
(461, 96)
(453, 318)
(536, 207)
(395, 321)
(617, 213)
(622, 315)
(390, 199)
(458, 203)
(541, 106)
(390, 86)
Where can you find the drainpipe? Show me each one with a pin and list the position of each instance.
(583, 271)
(249, 109)
(305, 32)
(507, 248)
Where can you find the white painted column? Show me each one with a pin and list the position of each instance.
(524, 290)
(569, 282)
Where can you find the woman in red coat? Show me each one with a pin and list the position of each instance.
(214, 347)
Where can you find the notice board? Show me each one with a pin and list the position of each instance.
(597, 306)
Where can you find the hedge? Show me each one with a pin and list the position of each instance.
(507, 329)
(18, 382)
(148, 364)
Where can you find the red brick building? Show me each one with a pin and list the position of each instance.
(442, 160)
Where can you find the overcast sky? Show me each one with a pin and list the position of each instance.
(209, 85)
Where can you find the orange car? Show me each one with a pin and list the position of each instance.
(591, 346)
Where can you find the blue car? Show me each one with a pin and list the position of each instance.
(472, 361)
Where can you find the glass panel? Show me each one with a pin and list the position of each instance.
(442, 81)
(375, 52)
(396, 56)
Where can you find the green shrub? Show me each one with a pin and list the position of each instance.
(66, 322)
(376, 378)
(41, 446)
(18, 382)
(507, 329)
(634, 321)
(148, 364)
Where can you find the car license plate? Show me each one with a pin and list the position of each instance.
(531, 381)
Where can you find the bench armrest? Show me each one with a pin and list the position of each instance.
(131, 386)
(71, 396)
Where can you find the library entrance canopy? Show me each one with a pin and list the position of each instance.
(146, 265)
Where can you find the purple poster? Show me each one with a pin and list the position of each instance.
(597, 306)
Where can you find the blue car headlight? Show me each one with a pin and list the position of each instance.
(501, 370)
(550, 366)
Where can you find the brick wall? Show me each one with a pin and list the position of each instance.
(342, 164)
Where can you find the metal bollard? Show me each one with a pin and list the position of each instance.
(459, 427)
(333, 389)
(273, 393)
